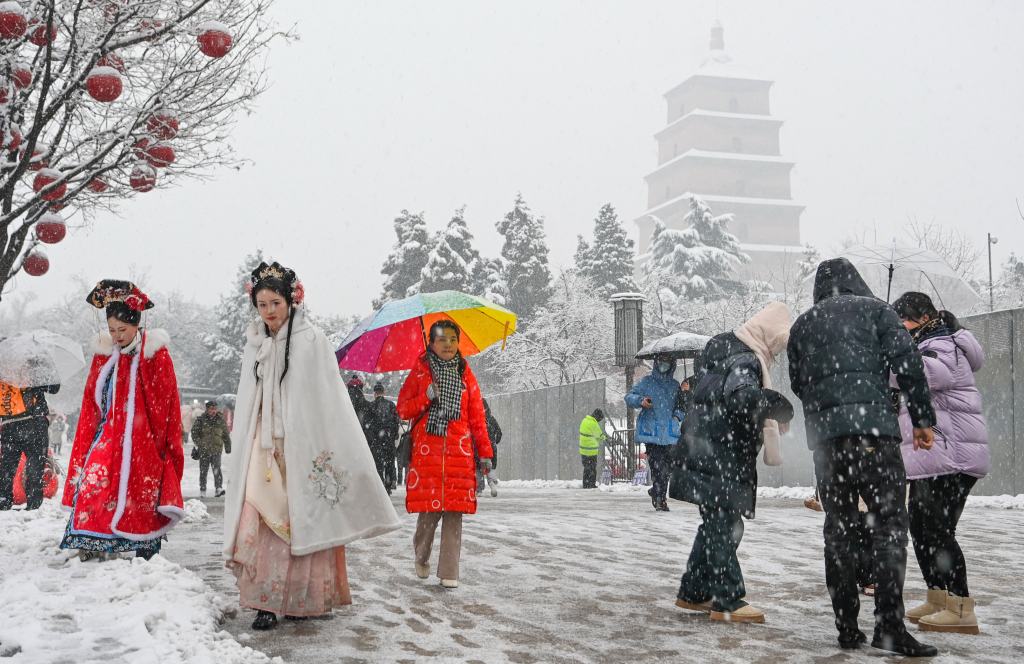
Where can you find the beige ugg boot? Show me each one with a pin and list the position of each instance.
(743, 614)
(422, 571)
(935, 602)
(958, 617)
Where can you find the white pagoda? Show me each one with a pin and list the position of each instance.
(722, 144)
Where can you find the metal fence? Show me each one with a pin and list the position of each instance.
(541, 430)
(623, 455)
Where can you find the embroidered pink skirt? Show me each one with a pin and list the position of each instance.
(271, 579)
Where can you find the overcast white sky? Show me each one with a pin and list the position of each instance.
(892, 110)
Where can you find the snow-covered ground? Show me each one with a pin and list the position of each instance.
(550, 573)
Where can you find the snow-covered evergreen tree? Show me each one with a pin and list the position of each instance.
(1009, 287)
(525, 255)
(234, 313)
(451, 259)
(697, 261)
(403, 267)
(488, 280)
(809, 265)
(609, 262)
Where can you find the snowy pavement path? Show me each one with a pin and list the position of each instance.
(563, 575)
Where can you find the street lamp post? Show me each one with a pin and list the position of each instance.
(629, 339)
(991, 300)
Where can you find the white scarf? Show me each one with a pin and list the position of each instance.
(268, 370)
(767, 333)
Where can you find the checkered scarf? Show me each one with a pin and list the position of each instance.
(448, 382)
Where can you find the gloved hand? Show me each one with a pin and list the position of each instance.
(487, 465)
(432, 392)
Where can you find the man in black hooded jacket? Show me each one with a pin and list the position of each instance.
(841, 353)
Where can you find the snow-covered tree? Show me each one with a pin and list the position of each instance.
(569, 340)
(609, 262)
(451, 259)
(234, 313)
(697, 261)
(525, 254)
(404, 265)
(1008, 289)
(488, 280)
(95, 97)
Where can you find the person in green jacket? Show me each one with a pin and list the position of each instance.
(591, 436)
(212, 438)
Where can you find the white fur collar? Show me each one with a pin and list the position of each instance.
(257, 331)
(102, 344)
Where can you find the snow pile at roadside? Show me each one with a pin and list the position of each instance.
(540, 484)
(122, 610)
(195, 511)
(1003, 502)
(792, 492)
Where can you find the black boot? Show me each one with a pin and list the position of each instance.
(903, 643)
(662, 506)
(264, 620)
(852, 640)
(145, 554)
(296, 617)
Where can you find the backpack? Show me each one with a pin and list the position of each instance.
(11, 401)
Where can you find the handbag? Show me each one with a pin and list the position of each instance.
(195, 452)
(405, 443)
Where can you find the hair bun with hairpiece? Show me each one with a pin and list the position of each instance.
(122, 300)
(278, 278)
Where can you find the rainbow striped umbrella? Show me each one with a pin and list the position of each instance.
(394, 337)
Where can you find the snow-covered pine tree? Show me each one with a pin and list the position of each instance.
(451, 259)
(406, 261)
(697, 261)
(809, 265)
(487, 280)
(234, 313)
(609, 262)
(525, 255)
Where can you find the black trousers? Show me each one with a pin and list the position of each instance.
(211, 461)
(383, 457)
(936, 504)
(31, 438)
(659, 459)
(713, 571)
(871, 468)
(589, 471)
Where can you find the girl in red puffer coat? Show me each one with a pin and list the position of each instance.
(442, 398)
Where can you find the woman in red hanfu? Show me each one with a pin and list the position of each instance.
(124, 476)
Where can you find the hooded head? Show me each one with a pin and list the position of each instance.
(664, 365)
(598, 414)
(767, 333)
(838, 276)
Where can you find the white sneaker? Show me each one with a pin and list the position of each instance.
(202, 494)
(494, 489)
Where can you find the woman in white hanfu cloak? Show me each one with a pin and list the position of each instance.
(302, 483)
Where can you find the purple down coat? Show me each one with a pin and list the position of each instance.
(961, 437)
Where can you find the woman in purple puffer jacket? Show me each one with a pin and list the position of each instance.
(941, 478)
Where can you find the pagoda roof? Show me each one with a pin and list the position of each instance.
(719, 64)
(697, 113)
(684, 199)
(694, 154)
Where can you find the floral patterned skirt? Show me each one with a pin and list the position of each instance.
(270, 578)
(105, 544)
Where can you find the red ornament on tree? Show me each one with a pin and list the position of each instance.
(104, 84)
(21, 75)
(13, 22)
(111, 60)
(46, 177)
(159, 155)
(98, 184)
(15, 138)
(39, 35)
(37, 263)
(162, 126)
(40, 157)
(143, 177)
(151, 26)
(50, 228)
(214, 39)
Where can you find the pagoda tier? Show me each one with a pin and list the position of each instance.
(722, 144)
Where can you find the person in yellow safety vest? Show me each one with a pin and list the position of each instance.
(591, 436)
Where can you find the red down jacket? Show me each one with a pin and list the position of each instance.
(442, 472)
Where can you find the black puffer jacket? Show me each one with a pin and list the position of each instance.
(716, 459)
(840, 354)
